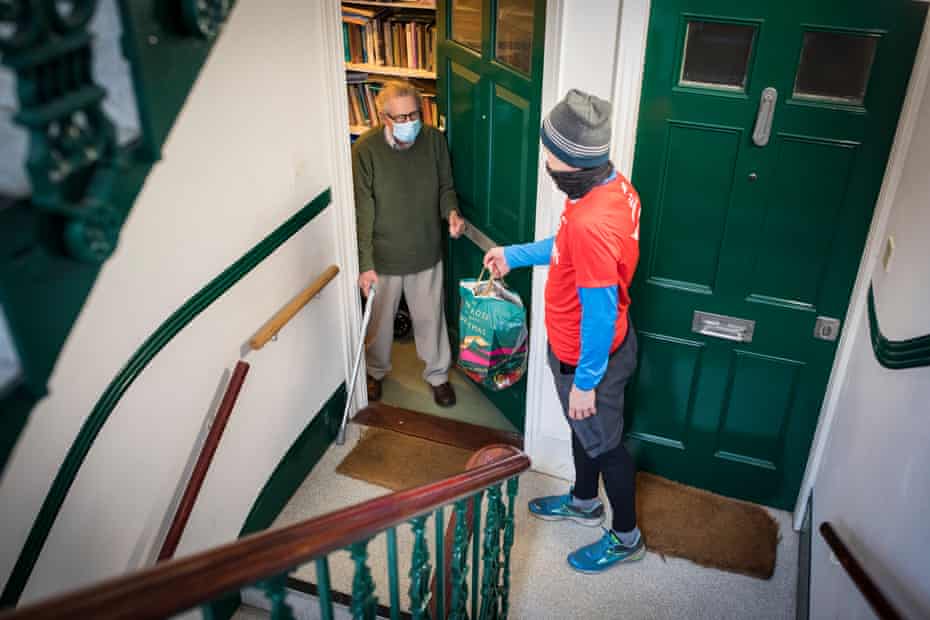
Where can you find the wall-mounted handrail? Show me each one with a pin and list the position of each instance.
(271, 327)
(124, 379)
(186, 505)
(864, 583)
(178, 585)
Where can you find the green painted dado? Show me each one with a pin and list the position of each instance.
(125, 378)
(490, 59)
(763, 135)
(83, 183)
(896, 354)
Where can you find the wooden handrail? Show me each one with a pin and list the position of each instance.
(270, 329)
(177, 585)
(869, 589)
(186, 505)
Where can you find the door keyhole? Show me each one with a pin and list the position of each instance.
(753, 176)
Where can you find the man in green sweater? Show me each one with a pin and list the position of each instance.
(403, 190)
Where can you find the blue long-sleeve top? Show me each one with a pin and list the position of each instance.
(598, 313)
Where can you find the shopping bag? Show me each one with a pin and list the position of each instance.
(492, 333)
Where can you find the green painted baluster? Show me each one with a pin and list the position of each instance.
(490, 599)
(475, 551)
(392, 573)
(324, 589)
(459, 608)
(206, 612)
(440, 563)
(419, 572)
(364, 602)
(275, 590)
(508, 545)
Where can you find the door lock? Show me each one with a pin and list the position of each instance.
(760, 135)
(826, 328)
(753, 176)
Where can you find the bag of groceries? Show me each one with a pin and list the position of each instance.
(492, 332)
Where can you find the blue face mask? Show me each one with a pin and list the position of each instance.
(407, 132)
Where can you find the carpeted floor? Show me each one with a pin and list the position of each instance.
(404, 387)
(543, 587)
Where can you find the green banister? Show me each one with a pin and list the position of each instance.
(393, 581)
(324, 588)
(364, 602)
(419, 571)
(275, 590)
(459, 604)
(508, 545)
(440, 523)
(125, 378)
(475, 551)
(490, 600)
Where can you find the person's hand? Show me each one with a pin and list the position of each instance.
(581, 403)
(366, 279)
(497, 262)
(456, 224)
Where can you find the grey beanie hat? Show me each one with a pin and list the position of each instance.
(577, 130)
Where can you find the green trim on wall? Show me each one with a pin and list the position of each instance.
(295, 466)
(125, 378)
(896, 354)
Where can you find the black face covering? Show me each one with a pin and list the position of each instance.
(577, 183)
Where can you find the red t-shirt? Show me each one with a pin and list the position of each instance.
(597, 245)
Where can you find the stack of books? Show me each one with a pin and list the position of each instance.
(379, 36)
(363, 111)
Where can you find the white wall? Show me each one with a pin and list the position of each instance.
(873, 483)
(253, 144)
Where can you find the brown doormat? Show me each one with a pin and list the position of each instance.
(398, 461)
(675, 519)
(706, 528)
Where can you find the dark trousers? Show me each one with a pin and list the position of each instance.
(619, 473)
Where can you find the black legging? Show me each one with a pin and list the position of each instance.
(619, 479)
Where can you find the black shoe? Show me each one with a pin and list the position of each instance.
(444, 395)
(374, 388)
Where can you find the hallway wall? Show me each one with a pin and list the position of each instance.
(874, 480)
(253, 144)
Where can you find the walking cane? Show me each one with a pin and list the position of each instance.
(366, 317)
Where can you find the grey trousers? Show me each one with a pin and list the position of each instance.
(423, 291)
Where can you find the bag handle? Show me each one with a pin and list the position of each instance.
(487, 284)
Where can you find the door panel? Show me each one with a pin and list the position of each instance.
(489, 90)
(768, 231)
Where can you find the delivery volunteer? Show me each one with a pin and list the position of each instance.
(403, 187)
(592, 345)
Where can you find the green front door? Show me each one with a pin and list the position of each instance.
(490, 70)
(763, 135)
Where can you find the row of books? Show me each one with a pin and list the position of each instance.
(364, 111)
(399, 39)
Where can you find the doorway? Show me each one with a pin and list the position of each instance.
(763, 134)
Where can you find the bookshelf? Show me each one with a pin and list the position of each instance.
(384, 40)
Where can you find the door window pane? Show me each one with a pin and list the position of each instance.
(717, 54)
(515, 33)
(466, 22)
(835, 66)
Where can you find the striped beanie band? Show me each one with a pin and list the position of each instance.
(577, 130)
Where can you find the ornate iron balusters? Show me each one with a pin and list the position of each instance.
(419, 571)
(324, 589)
(490, 586)
(508, 545)
(393, 580)
(73, 159)
(458, 609)
(275, 590)
(364, 602)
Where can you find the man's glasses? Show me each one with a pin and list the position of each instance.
(403, 118)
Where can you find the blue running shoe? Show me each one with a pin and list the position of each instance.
(606, 552)
(559, 507)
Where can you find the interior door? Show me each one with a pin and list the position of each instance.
(490, 75)
(763, 135)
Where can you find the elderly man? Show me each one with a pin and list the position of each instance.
(403, 190)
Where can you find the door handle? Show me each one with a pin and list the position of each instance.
(765, 116)
(725, 327)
